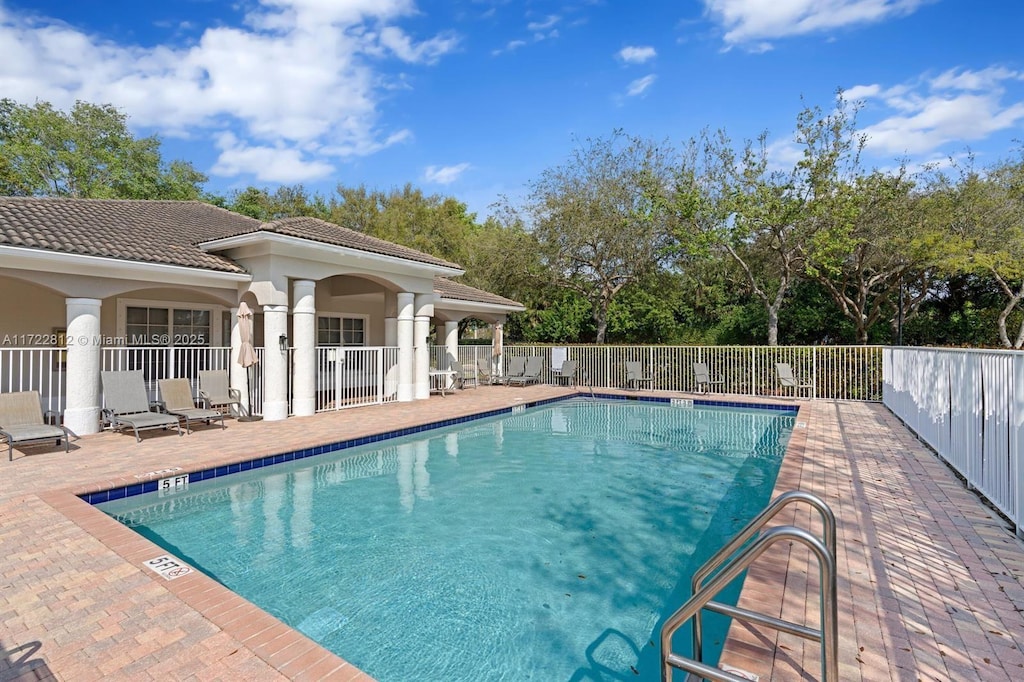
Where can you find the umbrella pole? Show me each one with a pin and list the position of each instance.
(251, 417)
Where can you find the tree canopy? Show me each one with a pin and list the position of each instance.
(86, 153)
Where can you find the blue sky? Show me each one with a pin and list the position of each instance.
(475, 98)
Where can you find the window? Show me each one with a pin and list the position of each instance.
(147, 326)
(340, 331)
(151, 326)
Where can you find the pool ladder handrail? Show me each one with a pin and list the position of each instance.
(703, 594)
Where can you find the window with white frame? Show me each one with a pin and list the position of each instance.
(162, 326)
(165, 339)
(340, 331)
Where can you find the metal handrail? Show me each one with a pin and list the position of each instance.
(828, 520)
(703, 594)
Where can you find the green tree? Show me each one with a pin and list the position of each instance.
(87, 153)
(984, 217)
(760, 216)
(871, 246)
(287, 201)
(598, 221)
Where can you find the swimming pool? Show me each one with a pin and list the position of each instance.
(547, 544)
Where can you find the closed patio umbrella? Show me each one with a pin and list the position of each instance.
(498, 332)
(246, 353)
(496, 339)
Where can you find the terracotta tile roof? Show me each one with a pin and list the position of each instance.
(446, 288)
(167, 232)
(329, 233)
(148, 231)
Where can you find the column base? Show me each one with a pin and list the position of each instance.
(82, 420)
(303, 408)
(275, 411)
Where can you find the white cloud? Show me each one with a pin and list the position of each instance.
(268, 164)
(511, 46)
(958, 106)
(860, 92)
(636, 55)
(753, 22)
(444, 175)
(640, 85)
(428, 51)
(543, 25)
(986, 79)
(300, 75)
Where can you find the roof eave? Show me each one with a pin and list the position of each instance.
(31, 258)
(265, 237)
(476, 306)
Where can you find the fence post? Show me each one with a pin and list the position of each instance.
(814, 372)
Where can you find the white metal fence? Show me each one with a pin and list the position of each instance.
(35, 369)
(968, 405)
(165, 362)
(350, 377)
(835, 372)
(359, 376)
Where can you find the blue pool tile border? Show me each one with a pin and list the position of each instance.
(270, 460)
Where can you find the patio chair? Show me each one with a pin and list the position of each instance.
(21, 421)
(515, 368)
(216, 394)
(483, 369)
(125, 403)
(703, 376)
(463, 375)
(789, 380)
(176, 395)
(531, 373)
(635, 376)
(566, 373)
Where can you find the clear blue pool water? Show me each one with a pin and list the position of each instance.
(544, 545)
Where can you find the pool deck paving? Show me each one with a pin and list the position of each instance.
(930, 579)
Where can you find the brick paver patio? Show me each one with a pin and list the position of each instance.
(930, 579)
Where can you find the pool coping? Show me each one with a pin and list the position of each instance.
(283, 648)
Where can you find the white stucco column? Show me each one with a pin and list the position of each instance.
(275, 363)
(238, 376)
(421, 330)
(390, 331)
(82, 412)
(404, 334)
(451, 338)
(304, 343)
